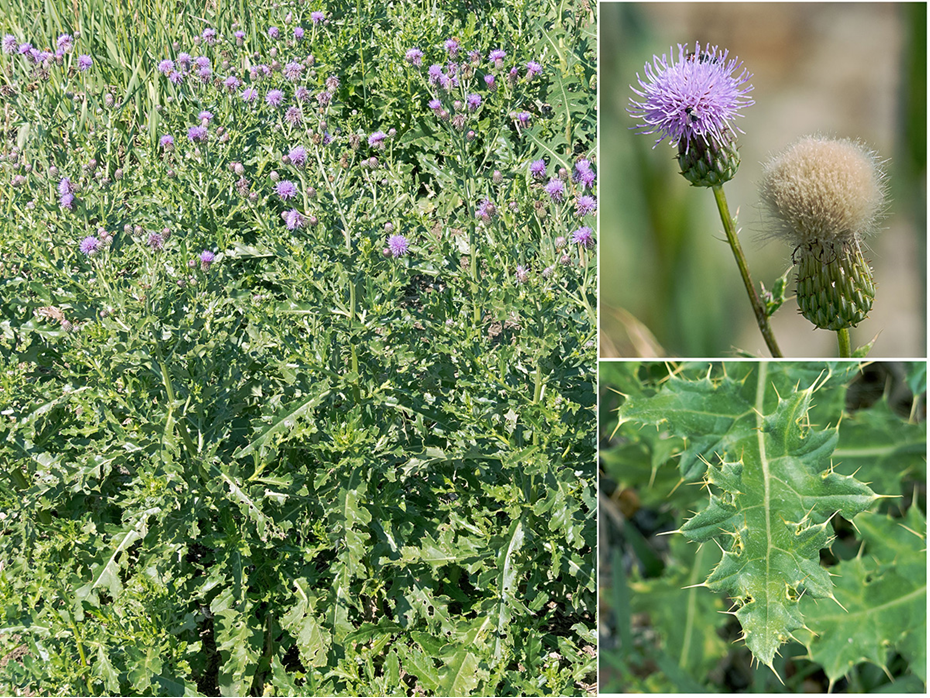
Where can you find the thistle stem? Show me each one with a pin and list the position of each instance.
(842, 338)
(762, 318)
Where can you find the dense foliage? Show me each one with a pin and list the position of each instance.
(816, 576)
(297, 345)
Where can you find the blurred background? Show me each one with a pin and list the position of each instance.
(668, 283)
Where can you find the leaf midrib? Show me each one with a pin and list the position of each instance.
(763, 460)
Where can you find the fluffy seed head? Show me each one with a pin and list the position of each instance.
(821, 190)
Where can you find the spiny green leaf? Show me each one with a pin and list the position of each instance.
(883, 592)
(773, 488)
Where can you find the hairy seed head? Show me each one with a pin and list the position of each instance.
(821, 190)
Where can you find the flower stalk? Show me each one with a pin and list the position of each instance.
(758, 307)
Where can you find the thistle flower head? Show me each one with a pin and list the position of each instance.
(824, 190)
(398, 246)
(695, 99)
(414, 56)
(297, 155)
(824, 196)
(584, 237)
(286, 189)
(89, 245)
(293, 219)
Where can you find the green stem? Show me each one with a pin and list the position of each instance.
(842, 338)
(80, 649)
(347, 237)
(185, 435)
(762, 318)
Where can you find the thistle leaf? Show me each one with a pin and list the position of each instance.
(884, 592)
(773, 488)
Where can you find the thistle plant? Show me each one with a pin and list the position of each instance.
(825, 196)
(317, 373)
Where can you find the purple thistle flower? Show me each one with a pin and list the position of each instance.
(274, 98)
(286, 190)
(293, 219)
(156, 241)
(293, 116)
(489, 80)
(84, 62)
(452, 47)
(65, 42)
(292, 71)
(398, 246)
(486, 210)
(231, 83)
(474, 57)
(184, 60)
(583, 174)
(204, 116)
(497, 54)
(302, 94)
(166, 66)
(414, 56)
(297, 156)
(538, 169)
(585, 206)
(176, 78)
(240, 37)
(298, 33)
(696, 98)
(376, 140)
(202, 62)
(317, 17)
(332, 83)
(197, 134)
(24, 48)
(524, 118)
(274, 32)
(324, 98)
(433, 73)
(473, 101)
(209, 35)
(10, 44)
(532, 69)
(206, 259)
(584, 236)
(556, 190)
(67, 201)
(166, 142)
(90, 245)
(435, 105)
(249, 94)
(65, 186)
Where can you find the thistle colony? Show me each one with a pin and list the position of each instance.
(276, 88)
